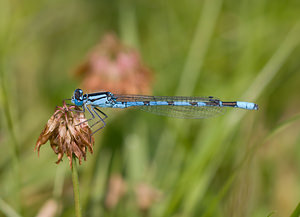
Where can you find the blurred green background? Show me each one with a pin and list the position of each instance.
(243, 163)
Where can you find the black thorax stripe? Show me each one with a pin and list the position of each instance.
(92, 97)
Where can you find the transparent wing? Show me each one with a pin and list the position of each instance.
(192, 112)
(183, 111)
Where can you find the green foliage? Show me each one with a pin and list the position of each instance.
(296, 211)
(242, 163)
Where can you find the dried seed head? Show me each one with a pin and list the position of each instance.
(68, 132)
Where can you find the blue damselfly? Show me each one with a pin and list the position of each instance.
(173, 106)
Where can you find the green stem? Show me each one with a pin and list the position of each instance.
(76, 188)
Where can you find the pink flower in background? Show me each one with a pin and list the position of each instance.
(113, 67)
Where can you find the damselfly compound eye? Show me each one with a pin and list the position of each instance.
(78, 94)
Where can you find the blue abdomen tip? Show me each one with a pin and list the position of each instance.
(247, 105)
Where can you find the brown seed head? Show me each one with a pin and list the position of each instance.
(66, 134)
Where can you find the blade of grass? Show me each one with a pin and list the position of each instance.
(276, 130)
(15, 155)
(100, 185)
(5, 42)
(279, 128)
(222, 192)
(296, 212)
(128, 24)
(272, 213)
(212, 146)
(199, 46)
(189, 76)
(270, 70)
(188, 81)
(7, 210)
(59, 181)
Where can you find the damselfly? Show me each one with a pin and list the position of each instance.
(173, 106)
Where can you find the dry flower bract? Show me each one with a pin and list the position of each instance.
(66, 134)
(112, 66)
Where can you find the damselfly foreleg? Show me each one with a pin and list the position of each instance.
(73, 110)
(83, 110)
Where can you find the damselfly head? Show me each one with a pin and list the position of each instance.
(77, 97)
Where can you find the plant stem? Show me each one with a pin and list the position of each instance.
(76, 188)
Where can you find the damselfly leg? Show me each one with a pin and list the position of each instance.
(105, 116)
(101, 119)
(93, 111)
